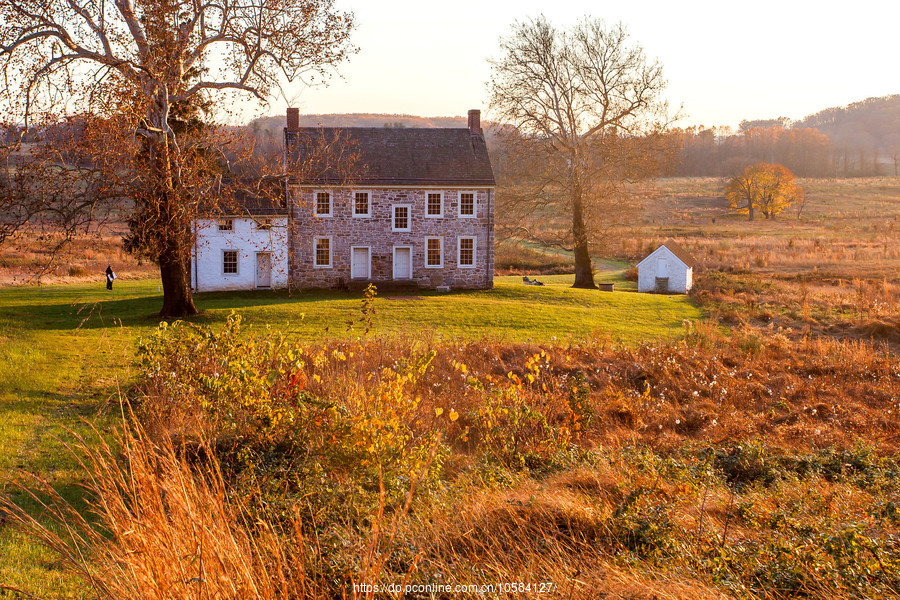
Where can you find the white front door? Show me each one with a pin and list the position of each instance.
(359, 263)
(661, 267)
(263, 270)
(403, 263)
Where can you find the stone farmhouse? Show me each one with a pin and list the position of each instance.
(391, 206)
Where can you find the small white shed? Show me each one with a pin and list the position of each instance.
(667, 270)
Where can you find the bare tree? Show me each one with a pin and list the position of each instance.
(138, 64)
(583, 105)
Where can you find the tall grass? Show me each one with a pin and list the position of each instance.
(161, 525)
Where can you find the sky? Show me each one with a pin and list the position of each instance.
(724, 61)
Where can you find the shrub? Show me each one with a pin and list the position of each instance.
(747, 463)
(512, 431)
(643, 526)
(251, 394)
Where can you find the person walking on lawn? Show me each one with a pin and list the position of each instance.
(110, 276)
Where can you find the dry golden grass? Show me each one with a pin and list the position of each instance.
(30, 257)
(833, 309)
(160, 528)
(848, 228)
(516, 258)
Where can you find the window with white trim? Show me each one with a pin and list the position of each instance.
(323, 204)
(361, 204)
(226, 224)
(229, 262)
(434, 204)
(401, 218)
(467, 204)
(434, 252)
(465, 253)
(265, 223)
(322, 252)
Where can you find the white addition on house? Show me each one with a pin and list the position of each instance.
(244, 247)
(667, 270)
(404, 206)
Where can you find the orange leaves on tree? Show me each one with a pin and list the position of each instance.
(767, 188)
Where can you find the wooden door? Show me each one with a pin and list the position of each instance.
(403, 263)
(359, 263)
(662, 267)
(263, 270)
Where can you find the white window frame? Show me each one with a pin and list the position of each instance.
(412, 253)
(315, 252)
(438, 216)
(441, 264)
(316, 212)
(356, 215)
(474, 204)
(237, 262)
(263, 223)
(369, 249)
(474, 251)
(225, 224)
(394, 208)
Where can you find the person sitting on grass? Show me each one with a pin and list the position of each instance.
(531, 281)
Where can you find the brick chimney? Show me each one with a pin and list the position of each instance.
(293, 119)
(475, 122)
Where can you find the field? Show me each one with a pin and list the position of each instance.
(68, 349)
(740, 443)
(30, 257)
(847, 228)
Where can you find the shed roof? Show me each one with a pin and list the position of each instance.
(679, 252)
(389, 156)
(682, 254)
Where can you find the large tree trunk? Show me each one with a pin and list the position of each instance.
(174, 259)
(584, 270)
(172, 225)
(175, 274)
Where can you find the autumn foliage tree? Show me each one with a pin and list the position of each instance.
(765, 188)
(131, 69)
(579, 108)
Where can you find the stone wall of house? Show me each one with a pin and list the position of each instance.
(346, 230)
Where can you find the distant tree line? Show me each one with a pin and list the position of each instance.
(859, 140)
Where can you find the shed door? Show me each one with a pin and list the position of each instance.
(662, 267)
(359, 264)
(402, 263)
(263, 270)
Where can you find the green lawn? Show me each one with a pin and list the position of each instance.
(65, 350)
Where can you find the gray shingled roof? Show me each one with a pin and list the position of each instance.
(682, 254)
(247, 197)
(393, 156)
